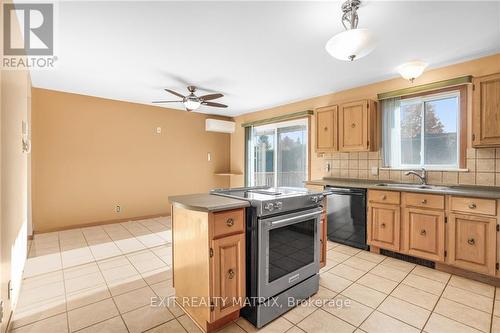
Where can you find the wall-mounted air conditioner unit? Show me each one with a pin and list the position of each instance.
(222, 126)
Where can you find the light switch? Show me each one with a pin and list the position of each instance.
(209, 157)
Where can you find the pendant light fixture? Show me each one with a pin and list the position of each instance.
(411, 70)
(353, 43)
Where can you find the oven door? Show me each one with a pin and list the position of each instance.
(288, 250)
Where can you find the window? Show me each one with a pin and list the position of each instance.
(424, 131)
(277, 154)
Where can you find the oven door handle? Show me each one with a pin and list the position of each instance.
(290, 219)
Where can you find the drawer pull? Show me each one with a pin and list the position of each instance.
(424, 201)
(384, 197)
(382, 225)
(230, 222)
(472, 205)
(471, 241)
(231, 273)
(422, 232)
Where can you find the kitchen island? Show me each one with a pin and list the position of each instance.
(208, 234)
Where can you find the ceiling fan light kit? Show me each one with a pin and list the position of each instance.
(192, 102)
(411, 70)
(353, 43)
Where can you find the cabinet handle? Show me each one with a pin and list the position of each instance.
(471, 241)
(382, 225)
(472, 205)
(230, 222)
(424, 201)
(422, 232)
(353, 125)
(231, 273)
(326, 128)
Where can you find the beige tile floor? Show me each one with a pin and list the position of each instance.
(102, 279)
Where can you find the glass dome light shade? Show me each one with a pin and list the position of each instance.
(351, 44)
(411, 70)
(192, 103)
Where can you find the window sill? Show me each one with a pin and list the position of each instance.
(426, 169)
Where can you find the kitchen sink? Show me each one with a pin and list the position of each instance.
(415, 186)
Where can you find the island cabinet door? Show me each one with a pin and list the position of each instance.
(472, 243)
(228, 275)
(424, 233)
(384, 226)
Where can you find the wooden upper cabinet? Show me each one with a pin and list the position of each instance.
(486, 111)
(326, 129)
(357, 126)
(472, 243)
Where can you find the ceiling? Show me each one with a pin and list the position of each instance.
(259, 54)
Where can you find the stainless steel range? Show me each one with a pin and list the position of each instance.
(282, 247)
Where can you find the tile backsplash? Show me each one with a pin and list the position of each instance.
(483, 168)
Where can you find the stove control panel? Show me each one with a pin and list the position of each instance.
(271, 206)
(316, 199)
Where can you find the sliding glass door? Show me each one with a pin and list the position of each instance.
(277, 154)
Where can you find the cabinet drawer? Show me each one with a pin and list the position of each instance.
(386, 197)
(229, 222)
(424, 200)
(474, 205)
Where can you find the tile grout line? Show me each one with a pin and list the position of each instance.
(493, 309)
(107, 286)
(340, 293)
(64, 283)
(435, 305)
(399, 283)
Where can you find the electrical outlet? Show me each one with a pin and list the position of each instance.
(118, 208)
(158, 130)
(374, 171)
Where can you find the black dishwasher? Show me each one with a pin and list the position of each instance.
(346, 216)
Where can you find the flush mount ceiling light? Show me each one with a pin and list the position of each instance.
(411, 70)
(353, 43)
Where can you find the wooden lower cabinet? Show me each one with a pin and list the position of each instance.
(323, 240)
(424, 233)
(228, 267)
(209, 264)
(471, 243)
(384, 226)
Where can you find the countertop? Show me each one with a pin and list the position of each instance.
(205, 202)
(471, 191)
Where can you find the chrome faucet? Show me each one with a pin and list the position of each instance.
(422, 176)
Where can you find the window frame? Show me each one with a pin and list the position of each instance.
(249, 147)
(462, 128)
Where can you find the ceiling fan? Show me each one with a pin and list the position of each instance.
(192, 102)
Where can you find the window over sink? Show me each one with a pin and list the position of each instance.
(425, 131)
(277, 154)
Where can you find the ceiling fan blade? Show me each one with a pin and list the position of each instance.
(166, 102)
(175, 93)
(211, 96)
(216, 105)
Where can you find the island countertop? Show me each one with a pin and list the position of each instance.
(205, 202)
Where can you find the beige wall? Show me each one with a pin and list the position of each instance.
(486, 175)
(14, 99)
(91, 154)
